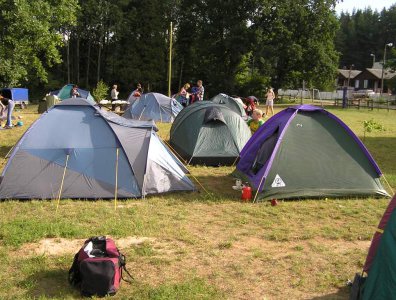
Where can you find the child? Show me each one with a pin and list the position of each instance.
(183, 95)
(256, 121)
(194, 94)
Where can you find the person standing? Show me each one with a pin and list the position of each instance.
(74, 92)
(114, 96)
(9, 104)
(114, 93)
(269, 104)
(138, 91)
(201, 90)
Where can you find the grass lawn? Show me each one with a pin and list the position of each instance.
(199, 246)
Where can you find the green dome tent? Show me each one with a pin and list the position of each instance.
(230, 102)
(55, 97)
(379, 271)
(209, 133)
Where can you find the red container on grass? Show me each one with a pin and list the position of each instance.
(246, 193)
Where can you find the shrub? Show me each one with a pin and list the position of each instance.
(100, 91)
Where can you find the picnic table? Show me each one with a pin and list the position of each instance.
(117, 106)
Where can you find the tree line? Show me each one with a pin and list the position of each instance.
(236, 47)
(363, 35)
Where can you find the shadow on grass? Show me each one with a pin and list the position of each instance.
(342, 293)
(4, 150)
(49, 284)
(220, 186)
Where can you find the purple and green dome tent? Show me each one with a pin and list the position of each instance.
(378, 280)
(305, 151)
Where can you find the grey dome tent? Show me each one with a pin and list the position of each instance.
(154, 106)
(231, 103)
(305, 151)
(96, 151)
(209, 133)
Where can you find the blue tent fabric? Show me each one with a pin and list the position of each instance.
(90, 139)
(154, 106)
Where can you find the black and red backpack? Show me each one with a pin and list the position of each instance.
(97, 268)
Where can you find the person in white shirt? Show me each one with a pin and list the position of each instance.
(114, 96)
(269, 104)
(114, 93)
(201, 90)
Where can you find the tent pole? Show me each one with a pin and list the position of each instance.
(233, 164)
(200, 184)
(388, 184)
(116, 180)
(63, 179)
(6, 156)
(178, 155)
(255, 196)
(145, 169)
(170, 60)
(144, 108)
(8, 153)
(144, 185)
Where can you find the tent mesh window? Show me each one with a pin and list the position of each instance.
(265, 151)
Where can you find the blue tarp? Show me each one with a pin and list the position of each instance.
(16, 94)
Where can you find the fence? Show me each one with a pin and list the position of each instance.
(315, 94)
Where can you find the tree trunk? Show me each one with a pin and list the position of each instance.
(99, 59)
(181, 74)
(88, 61)
(78, 60)
(68, 60)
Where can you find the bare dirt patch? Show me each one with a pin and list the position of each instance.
(61, 246)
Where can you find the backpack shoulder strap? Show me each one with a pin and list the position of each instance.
(122, 260)
(74, 277)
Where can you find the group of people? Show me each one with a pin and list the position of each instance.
(256, 114)
(186, 97)
(135, 93)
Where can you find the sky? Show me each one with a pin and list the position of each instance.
(348, 5)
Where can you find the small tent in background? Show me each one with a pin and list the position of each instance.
(379, 271)
(305, 151)
(58, 95)
(132, 98)
(64, 93)
(87, 144)
(209, 133)
(233, 103)
(154, 106)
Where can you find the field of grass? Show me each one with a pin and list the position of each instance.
(199, 246)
